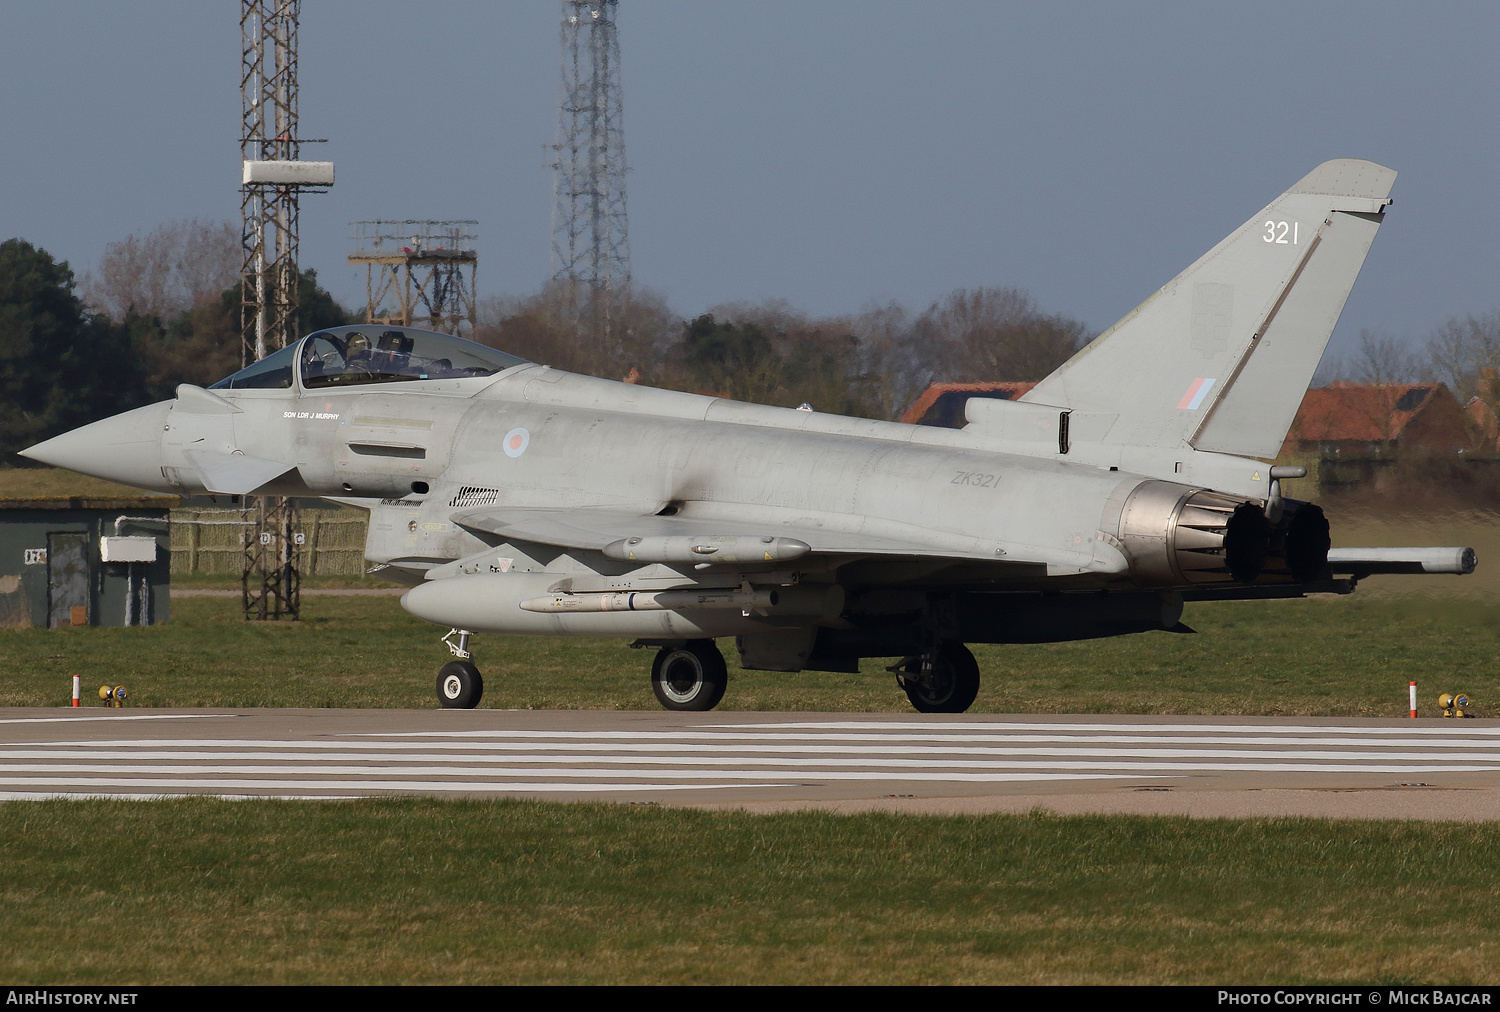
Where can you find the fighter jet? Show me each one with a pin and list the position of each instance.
(520, 499)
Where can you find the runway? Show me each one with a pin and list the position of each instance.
(1428, 769)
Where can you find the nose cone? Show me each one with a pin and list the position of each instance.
(125, 448)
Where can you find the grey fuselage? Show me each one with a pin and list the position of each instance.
(911, 528)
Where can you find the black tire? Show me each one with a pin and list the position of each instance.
(459, 686)
(690, 677)
(954, 683)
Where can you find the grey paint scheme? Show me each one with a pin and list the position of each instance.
(1083, 485)
(1254, 314)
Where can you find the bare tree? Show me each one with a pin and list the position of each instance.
(877, 362)
(178, 266)
(1384, 361)
(551, 327)
(894, 369)
(1369, 383)
(842, 364)
(1460, 352)
(995, 334)
(873, 363)
(1380, 360)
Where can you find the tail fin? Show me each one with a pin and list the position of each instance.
(1220, 357)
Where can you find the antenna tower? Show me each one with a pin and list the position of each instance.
(590, 239)
(268, 94)
(272, 180)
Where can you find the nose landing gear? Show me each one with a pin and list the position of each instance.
(459, 685)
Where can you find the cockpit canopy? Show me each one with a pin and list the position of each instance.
(370, 353)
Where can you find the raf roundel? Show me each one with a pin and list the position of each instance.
(516, 441)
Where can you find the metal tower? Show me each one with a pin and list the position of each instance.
(427, 265)
(271, 578)
(268, 129)
(273, 178)
(590, 241)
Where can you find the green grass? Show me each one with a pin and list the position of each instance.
(399, 891)
(1317, 657)
(56, 482)
(332, 581)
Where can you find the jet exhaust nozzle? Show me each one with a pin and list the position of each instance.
(1175, 535)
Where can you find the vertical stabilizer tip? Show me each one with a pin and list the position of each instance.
(1348, 177)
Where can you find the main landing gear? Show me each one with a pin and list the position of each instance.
(943, 681)
(459, 685)
(692, 676)
(689, 677)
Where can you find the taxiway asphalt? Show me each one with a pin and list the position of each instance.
(1200, 766)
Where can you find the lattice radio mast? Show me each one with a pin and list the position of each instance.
(590, 238)
(274, 175)
(273, 179)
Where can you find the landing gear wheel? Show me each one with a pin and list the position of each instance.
(689, 677)
(459, 686)
(952, 685)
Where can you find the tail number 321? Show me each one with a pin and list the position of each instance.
(1281, 232)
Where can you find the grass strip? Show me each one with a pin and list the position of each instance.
(392, 891)
(1318, 657)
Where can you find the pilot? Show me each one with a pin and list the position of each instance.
(357, 358)
(391, 356)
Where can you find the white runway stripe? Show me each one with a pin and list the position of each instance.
(726, 758)
(715, 743)
(657, 756)
(200, 785)
(832, 770)
(117, 716)
(1273, 729)
(158, 795)
(1329, 735)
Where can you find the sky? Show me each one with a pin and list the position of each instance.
(832, 154)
